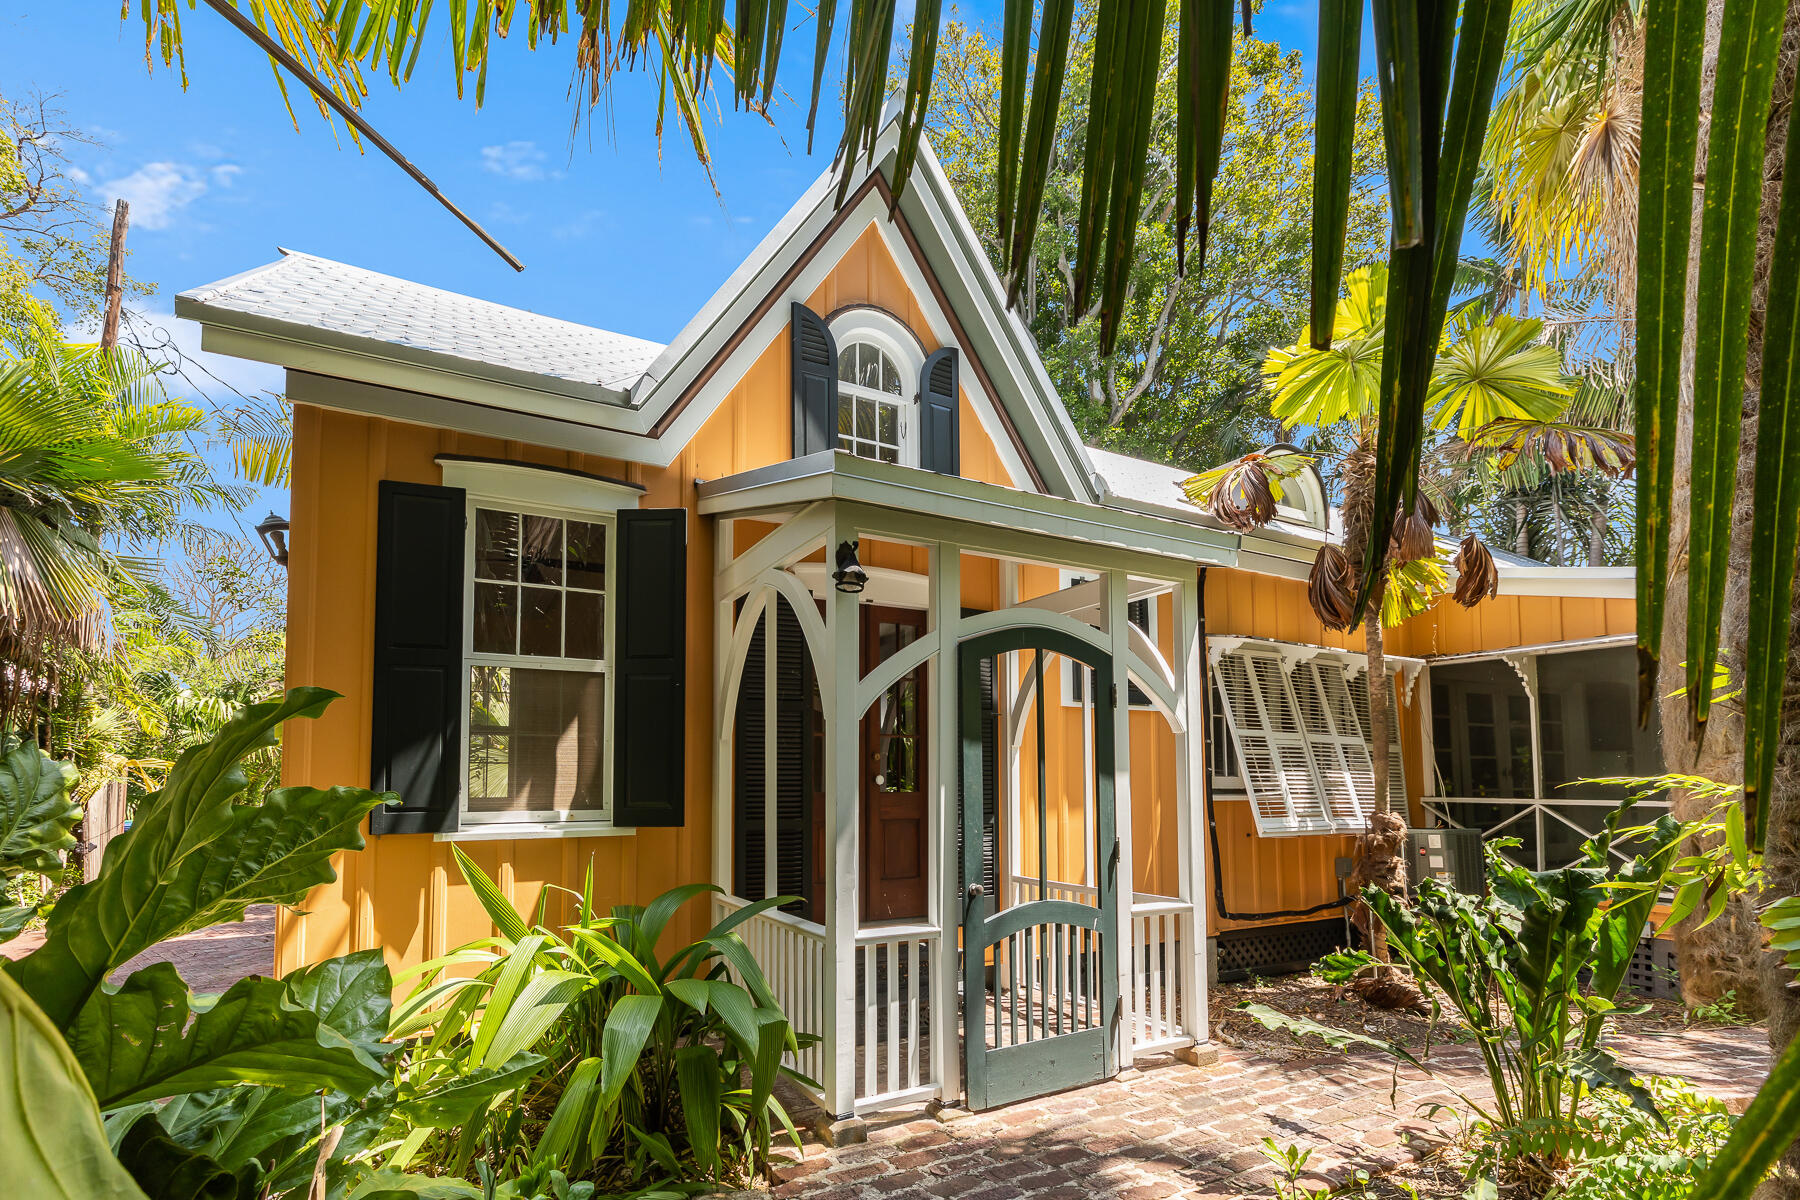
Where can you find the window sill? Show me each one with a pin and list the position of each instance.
(523, 832)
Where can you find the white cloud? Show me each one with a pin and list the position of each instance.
(157, 192)
(520, 160)
(224, 173)
(583, 225)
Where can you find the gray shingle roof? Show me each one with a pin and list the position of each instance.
(305, 290)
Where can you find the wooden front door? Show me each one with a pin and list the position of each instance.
(894, 880)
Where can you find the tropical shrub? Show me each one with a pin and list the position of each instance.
(624, 1068)
(1533, 969)
(37, 827)
(212, 1096)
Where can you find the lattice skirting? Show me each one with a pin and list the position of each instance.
(1274, 949)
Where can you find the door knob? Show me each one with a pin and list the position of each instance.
(975, 889)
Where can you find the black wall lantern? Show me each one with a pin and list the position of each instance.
(849, 576)
(273, 530)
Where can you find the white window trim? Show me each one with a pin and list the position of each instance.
(537, 491)
(1066, 579)
(893, 338)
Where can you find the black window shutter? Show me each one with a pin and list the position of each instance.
(794, 806)
(990, 781)
(650, 668)
(815, 382)
(940, 447)
(416, 717)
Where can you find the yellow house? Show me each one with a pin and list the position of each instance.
(826, 599)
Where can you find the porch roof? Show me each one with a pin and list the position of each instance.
(835, 475)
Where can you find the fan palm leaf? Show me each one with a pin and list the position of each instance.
(90, 452)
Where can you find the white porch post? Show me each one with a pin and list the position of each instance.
(842, 837)
(944, 840)
(1191, 784)
(723, 546)
(1118, 629)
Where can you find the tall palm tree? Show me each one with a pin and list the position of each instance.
(1491, 373)
(94, 461)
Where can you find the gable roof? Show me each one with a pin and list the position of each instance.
(306, 293)
(489, 368)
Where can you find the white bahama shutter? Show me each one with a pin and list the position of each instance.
(1285, 793)
(1335, 736)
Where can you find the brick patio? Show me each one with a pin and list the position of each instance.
(1163, 1129)
(1166, 1129)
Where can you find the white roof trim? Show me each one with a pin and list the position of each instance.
(1609, 583)
(834, 475)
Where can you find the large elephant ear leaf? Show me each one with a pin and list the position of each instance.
(168, 1170)
(150, 1038)
(56, 1147)
(352, 994)
(196, 857)
(37, 816)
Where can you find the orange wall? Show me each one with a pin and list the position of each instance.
(1286, 873)
(1506, 621)
(403, 892)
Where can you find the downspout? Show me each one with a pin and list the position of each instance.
(1212, 823)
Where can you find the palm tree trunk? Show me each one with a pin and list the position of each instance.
(1380, 852)
(1720, 956)
(1781, 849)
(1522, 530)
(1598, 520)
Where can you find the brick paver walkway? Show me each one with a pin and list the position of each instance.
(1163, 1129)
(1166, 1129)
(211, 960)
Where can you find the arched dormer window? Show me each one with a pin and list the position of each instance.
(878, 386)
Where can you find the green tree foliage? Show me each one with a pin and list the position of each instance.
(94, 462)
(53, 241)
(210, 640)
(1183, 384)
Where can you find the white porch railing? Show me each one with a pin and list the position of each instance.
(894, 1024)
(1156, 1008)
(791, 953)
(1161, 928)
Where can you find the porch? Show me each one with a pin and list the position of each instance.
(951, 715)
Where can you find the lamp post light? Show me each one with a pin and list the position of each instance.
(849, 576)
(273, 530)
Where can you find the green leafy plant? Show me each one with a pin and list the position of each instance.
(37, 826)
(215, 1095)
(622, 1066)
(1290, 1164)
(1533, 969)
(1723, 1011)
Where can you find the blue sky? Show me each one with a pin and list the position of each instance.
(612, 232)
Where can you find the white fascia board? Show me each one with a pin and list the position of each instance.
(371, 360)
(974, 289)
(832, 475)
(1608, 583)
(437, 412)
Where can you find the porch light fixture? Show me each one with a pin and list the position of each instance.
(849, 576)
(273, 531)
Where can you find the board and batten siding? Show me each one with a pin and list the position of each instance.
(403, 892)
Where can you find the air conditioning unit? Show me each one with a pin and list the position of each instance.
(1451, 856)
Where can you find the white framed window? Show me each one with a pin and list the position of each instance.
(540, 556)
(1140, 612)
(878, 387)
